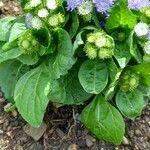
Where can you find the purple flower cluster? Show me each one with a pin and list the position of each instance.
(101, 5)
(138, 4)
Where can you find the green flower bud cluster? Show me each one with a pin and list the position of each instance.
(129, 81)
(99, 44)
(56, 20)
(146, 12)
(44, 11)
(28, 43)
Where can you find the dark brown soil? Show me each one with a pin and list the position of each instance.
(64, 131)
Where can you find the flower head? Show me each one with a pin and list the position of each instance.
(147, 47)
(103, 6)
(34, 3)
(43, 13)
(85, 8)
(51, 4)
(28, 19)
(36, 23)
(138, 4)
(141, 29)
(72, 4)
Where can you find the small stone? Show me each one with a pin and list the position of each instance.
(125, 141)
(137, 132)
(35, 133)
(1, 4)
(73, 147)
(1, 121)
(1, 132)
(60, 133)
(2, 100)
(89, 143)
(17, 147)
(14, 113)
(36, 146)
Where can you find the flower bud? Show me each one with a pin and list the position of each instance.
(147, 47)
(85, 8)
(36, 23)
(91, 50)
(43, 13)
(51, 4)
(141, 29)
(129, 81)
(53, 21)
(35, 3)
(91, 38)
(28, 43)
(121, 36)
(61, 18)
(105, 53)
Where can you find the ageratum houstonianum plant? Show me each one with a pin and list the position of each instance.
(78, 52)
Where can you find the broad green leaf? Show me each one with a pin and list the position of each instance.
(130, 103)
(74, 25)
(68, 89)
(64, 59)
(10, 71)
(28, 59)
(5, 25)
(144, 72)
(121, 16)
(10, 54)
(16, 30)
(104, 120)
(93, 76)
(122, 53)
(31, 95)
(134, 49)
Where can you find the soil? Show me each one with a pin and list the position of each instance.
(64, 131)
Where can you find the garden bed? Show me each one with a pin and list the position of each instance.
(64, 132)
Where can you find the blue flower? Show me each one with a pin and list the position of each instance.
(138, 4)
(72, 4)
(103, 6)
(28, 20)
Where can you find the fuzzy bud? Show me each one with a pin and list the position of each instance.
(36, 23)
(129, 81)
(91, 50)
(35, 3)
(51, 4)
(105, 53)
(28, 43)
(147, 47)
(141, 29)
(85, 8)
(43, 13)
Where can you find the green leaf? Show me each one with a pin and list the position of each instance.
(93, 76)
(5, 25)
(17, 29)
(10, 54)
(121, 16)
(28, 59)
(74, 25)
(130, 103)
(134, 51)
(122, 53)
(68, 89)
(31, 95)
(64, 59)
(10, 71)
(144, 72)
(104, 120)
